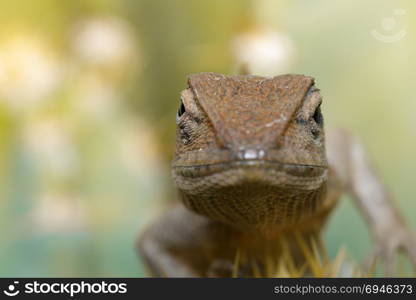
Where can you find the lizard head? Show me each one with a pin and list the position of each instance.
(250, 150)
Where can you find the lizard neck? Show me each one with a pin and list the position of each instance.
(261, 251)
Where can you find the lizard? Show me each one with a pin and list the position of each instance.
(253, 167)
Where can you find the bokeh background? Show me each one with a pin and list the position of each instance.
(89, 91)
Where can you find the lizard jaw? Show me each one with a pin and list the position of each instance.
(252, 194)
(251, 197)
(251, 189)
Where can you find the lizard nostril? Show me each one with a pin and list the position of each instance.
(250, 154)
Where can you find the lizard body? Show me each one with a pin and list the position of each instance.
(253, 168)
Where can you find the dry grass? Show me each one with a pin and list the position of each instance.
(317, 263)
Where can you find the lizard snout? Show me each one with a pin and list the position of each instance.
(250, 154)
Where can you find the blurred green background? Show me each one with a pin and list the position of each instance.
(89, 90)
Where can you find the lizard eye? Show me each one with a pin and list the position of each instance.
(317, 116)
(181, 109)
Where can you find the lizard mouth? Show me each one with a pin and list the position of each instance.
(201, 170)
(293, 163)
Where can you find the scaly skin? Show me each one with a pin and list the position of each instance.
(252, 170)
